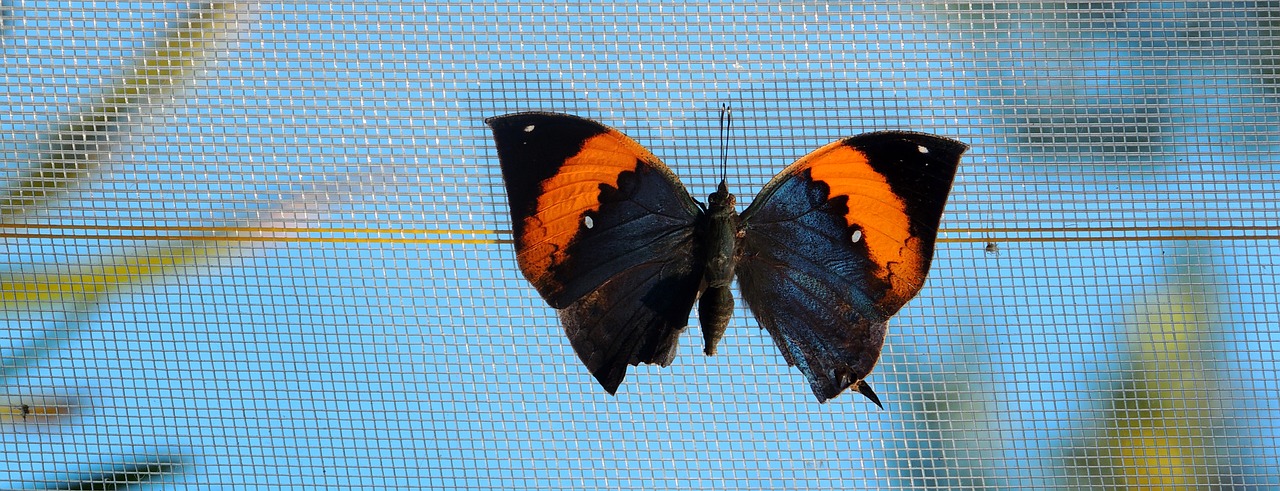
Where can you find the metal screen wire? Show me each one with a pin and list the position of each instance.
(268, 245)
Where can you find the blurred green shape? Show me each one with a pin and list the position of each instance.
(1158, 422)
(77, 289)
(86, 284)
(74, 149)
(147, 470)
(79, 145)
(1162, 425)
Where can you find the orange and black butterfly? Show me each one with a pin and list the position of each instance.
(830, 249)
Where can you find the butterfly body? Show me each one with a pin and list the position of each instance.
(828, 251)
(715, 302)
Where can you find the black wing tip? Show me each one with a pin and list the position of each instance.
(565, 129)
(950, 144)
(493, 121)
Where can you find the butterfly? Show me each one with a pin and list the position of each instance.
(830, 249)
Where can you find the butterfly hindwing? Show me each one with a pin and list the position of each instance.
(838, 242)
(605, 232)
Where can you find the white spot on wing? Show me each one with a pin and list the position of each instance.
(528, 129)
(857, 236)
(920, 148)
(588, 222)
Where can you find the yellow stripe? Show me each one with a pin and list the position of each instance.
(84, 284)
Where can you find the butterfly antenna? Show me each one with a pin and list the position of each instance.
(726, 122)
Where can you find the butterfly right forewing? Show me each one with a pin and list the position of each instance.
(837, 243)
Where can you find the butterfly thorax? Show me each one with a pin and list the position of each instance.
(720, 244)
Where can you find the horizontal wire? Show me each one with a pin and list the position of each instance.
(423, 236)
(240, 229)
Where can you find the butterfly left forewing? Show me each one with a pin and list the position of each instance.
(837, 243)
(605, 232)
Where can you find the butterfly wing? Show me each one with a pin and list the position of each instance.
(837, 243)
(605, 232)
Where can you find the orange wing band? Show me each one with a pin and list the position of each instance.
(873, 206)
(573, 191)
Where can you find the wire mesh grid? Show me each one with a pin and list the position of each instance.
(267, 245)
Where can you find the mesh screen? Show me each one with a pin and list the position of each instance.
(268, 245)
